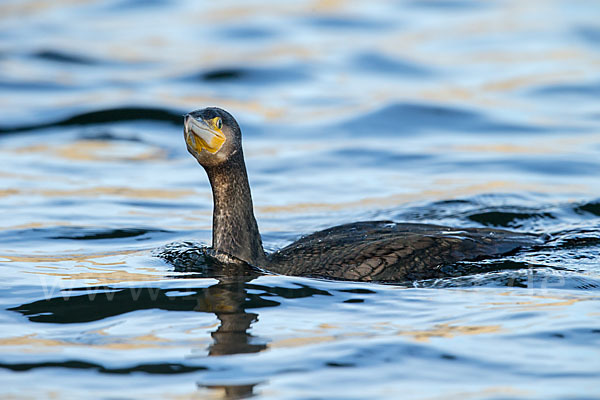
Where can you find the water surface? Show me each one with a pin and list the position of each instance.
(460, 113)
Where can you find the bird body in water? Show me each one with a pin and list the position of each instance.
(362, 251)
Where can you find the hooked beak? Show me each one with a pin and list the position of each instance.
(201, 135)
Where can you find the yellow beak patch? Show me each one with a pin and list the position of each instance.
(204, 135)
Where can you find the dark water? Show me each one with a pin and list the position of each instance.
(461, 113)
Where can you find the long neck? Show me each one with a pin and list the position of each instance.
(235, 231)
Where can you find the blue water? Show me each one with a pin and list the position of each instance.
(461, 113)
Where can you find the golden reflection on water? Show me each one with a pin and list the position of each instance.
(449, 331)
(249, 106)
(8, 192)
(32, 343)
(123, 191)
(96, 150)
(70, 257)
(439, 330)
(72, 264)
(558, 301)
(104, 277)
(489, 392)
(524, 81)
(506, 148)
(31, 225)
(304, 341)
(446, 189)
(444, 330)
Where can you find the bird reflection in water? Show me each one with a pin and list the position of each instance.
(227, 299)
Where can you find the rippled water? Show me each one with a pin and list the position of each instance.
(460, 113)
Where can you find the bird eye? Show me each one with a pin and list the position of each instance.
(219, 123)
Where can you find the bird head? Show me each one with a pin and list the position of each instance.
(212, 135)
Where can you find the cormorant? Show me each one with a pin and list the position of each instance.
(361, 251)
